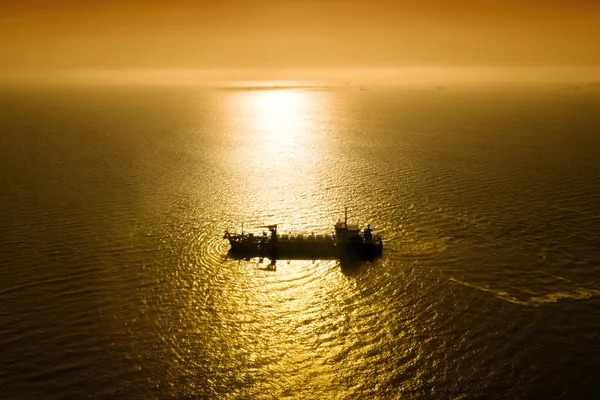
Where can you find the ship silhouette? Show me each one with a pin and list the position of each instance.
(348, 241)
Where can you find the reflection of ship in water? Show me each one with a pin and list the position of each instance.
(348, 263)
(347, 242)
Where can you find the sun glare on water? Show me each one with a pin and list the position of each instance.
(279, 118)
(279, 125)
(281, 138)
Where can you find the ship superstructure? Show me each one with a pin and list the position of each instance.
(348, 240)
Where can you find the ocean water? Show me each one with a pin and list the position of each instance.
(115, 280)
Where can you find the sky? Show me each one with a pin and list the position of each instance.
(301, 39)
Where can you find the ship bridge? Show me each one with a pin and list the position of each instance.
(346, 233)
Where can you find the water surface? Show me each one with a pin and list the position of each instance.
(114, 280)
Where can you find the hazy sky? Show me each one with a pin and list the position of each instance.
(262, 36)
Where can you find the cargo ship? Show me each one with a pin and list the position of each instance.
(347, 241)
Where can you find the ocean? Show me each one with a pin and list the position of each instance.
(115, 280)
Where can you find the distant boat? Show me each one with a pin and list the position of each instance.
(362, 88)
(570, 88)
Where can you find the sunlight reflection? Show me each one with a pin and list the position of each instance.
(279, 146)
(281, 123)
(275, 110)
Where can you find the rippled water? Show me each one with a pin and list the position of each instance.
(114, 279)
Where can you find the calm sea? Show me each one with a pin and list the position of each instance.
(115, 280)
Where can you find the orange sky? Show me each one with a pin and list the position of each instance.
(54, 35)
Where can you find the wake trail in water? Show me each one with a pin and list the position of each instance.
(534, 301)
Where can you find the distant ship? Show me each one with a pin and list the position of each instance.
(348, 241)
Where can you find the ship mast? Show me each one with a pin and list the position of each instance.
(346, 216)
